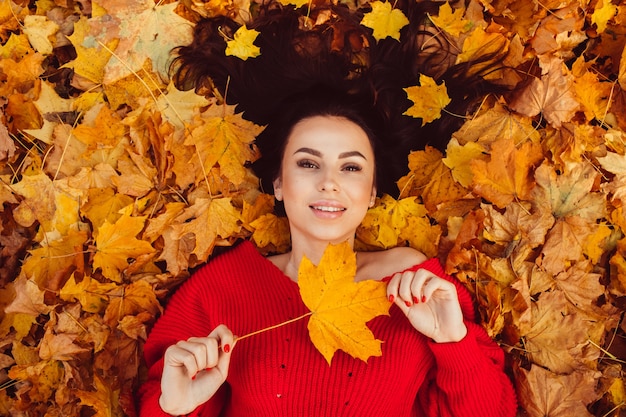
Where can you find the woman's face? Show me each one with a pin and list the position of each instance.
(327, 179)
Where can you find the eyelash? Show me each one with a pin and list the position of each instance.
(306, 163)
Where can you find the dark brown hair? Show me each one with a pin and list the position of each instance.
(339, 58)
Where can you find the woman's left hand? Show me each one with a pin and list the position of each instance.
(430, 303)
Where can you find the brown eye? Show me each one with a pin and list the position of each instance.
(306, 163)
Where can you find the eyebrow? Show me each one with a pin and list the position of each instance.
(342, 155)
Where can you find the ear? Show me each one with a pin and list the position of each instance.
(278, 190)
(373, 198)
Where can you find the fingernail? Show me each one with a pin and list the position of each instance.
(423, 298)
(194, 376)
(208, 369)
(226, 348)
(391, 298)
(415, 300)
(408, 303)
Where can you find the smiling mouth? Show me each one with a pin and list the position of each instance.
(328, 209)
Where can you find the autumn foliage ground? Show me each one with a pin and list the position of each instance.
(114, 184)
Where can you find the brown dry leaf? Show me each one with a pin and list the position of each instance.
(497, 122)
(340, 306)
(546, 394)
(29, 299)
(557, 337)
(507, 176)
(59, 347)
(552, 95)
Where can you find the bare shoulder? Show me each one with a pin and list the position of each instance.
(382, 264)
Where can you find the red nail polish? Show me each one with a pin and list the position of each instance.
(423, 298)
(391, 298)
(408, 303)
(226, 348)
(208, 369)
(415, 300)
(194, 377)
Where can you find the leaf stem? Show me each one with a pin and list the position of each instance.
(245, 336)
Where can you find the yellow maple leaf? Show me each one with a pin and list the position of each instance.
(602, 15)
(205, 220)
(224, 138)
(459, 157)
(90, 293)
(296, 3)
(242, 46)
(340, 306)
(91, 57)
(270, 229)
(384, 20)
(117, 243)
(452, 22)
(428, 99)
(480, 44)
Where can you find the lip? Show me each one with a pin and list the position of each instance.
(327, 209)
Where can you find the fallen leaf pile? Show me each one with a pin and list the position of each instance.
(114, 185)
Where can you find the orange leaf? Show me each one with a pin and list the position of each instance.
(507, 176)
(341, 307)
(270, 229)
(430, 179)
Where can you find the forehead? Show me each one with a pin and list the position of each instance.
(331, 133)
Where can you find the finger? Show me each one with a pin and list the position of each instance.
(440, 285)
(195, 354)
(393, 286)
(404, 290)
(226, 341)
(421, 278)
(224, 336)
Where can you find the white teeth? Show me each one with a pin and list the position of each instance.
(329, 209)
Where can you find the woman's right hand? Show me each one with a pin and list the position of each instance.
(194, 369)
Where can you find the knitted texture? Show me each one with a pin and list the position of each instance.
(280, 373)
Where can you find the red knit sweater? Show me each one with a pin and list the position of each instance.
(280, 373)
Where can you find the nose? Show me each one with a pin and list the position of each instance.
(328, 182)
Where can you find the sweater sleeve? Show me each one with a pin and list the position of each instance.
(185, 316)
(469, 379)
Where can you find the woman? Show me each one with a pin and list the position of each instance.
(436, 360)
